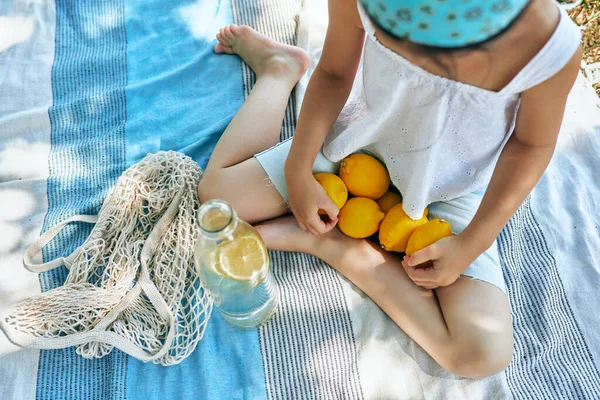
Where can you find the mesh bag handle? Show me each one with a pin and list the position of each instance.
(37, 246)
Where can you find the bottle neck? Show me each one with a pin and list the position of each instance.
(217, 219)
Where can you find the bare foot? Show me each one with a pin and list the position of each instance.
(284, 234)
(265, 56)
(333, 247)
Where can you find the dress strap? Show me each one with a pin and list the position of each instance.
(552, 58)
(366, 21)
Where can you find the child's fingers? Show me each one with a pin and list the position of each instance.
(323, 226)
(424, 277)
(315, 225)
(330, 208)
(330, 224)
(429, 253)
(430, 286)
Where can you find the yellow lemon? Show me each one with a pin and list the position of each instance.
(243, 259)
(427, 234)
(396, 228)
(334, 187)
(360, 217)
(364, 176)
(389, 200)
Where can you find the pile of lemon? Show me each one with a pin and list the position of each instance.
(374, 208)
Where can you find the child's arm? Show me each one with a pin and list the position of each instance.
(325, 97)
(520, 165)
(525, 156)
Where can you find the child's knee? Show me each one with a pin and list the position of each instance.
(480, 358)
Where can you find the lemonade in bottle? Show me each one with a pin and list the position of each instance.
(233, 264)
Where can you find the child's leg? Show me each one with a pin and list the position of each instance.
(232, 173)
(466, 327)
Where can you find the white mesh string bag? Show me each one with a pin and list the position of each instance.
(132, 284)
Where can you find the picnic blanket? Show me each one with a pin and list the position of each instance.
(89, 88)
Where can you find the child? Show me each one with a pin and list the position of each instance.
(462, 101)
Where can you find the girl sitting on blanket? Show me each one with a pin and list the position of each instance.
(461, 99)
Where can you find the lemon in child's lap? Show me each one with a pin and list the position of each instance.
(335, 189)
(364, 176)
(397, 227)
(428, 234)
(389, 200)
(360, 217)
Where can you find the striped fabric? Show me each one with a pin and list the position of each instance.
(89, 76)
(310, 349)
(551, 358)
(306, 354)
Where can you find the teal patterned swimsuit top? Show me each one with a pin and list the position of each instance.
(444, 23)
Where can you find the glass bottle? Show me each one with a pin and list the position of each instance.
(233, 264)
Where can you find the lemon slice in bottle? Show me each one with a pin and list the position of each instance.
(244, 259)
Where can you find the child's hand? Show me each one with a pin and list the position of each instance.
(439, 264)
(306, 197)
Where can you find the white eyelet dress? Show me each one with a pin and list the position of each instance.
(439, 139)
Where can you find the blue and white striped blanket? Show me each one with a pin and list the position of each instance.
(87, 88)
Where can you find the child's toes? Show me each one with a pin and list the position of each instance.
(233, 28)
(220, 48)
(228, 32)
